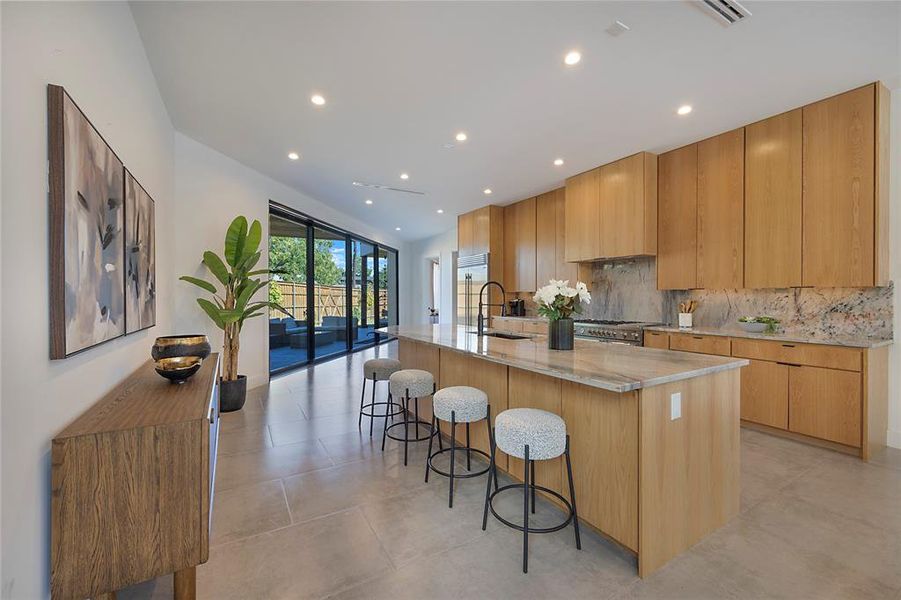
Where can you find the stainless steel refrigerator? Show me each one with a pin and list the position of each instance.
(472, 274)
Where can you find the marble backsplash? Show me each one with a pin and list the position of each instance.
(627, 290)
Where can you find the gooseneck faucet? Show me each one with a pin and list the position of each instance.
(481, 317)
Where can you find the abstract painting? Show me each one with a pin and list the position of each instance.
(140, 263)
(87, 251)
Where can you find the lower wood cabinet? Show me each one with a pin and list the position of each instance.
(702, 344)
(533, 390)
(656, 339)
(764, 393)
(825, 404)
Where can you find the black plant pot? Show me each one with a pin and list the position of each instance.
(232, 394)
(560, 334)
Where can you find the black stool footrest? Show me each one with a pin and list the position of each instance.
(398, 412)
(519, 486)
(416, 424)
(458, 475)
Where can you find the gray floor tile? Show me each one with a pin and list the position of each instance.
(248, 510)
(272, 463)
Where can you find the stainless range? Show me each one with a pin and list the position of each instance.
(622, 332)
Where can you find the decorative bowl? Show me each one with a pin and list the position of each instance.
(173, 346)
(178, 369)
(753, 327)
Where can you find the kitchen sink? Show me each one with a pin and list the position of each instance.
(504, 335)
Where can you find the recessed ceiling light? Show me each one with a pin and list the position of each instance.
(461, 137)
(558, 162)
(684, 109)
(397, 229)
(572, 57)
(440, 211)
(487, 191)
(368, 201)
(404, 176)
(317, 99)
(293, 155)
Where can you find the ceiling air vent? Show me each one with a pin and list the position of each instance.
(380, 186)
(728, 11)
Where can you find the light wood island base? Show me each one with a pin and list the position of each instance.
(654, 485)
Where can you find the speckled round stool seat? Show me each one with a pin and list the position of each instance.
(375, 370)
(458, 404)
(531, 434)
(407, 385)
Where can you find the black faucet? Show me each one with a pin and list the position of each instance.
(481, 318)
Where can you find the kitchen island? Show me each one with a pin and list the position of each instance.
(654, 434)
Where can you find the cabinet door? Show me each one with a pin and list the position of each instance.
(511, 283)
(702, 344)
(625, 208)
(826, 404)
(721, 168)
(566, 271)
(481, 230)
(677, 218)
(764, 393)
(838, 190)
(546, 238)
(525, 245)
(464, 234)
(773, 202)
(582, 217)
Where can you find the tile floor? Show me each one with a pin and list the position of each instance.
(307, 506)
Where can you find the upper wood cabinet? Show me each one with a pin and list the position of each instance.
(721, 166)
(841, 243)
(465, 223)
(481, 231)
(677, 219)
(773, 202)
(582, 212)
(627, 192)
(519, 246)
(550, 239)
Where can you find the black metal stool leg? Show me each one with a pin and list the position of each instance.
(532, 476)
(525, 512)
(453, 460)
(372, 419)
(362, 400)
(406, 424)
(491, 473)
(491, 446)
(385, 429)
(572, 495)
(438, 424)
(428, 456)
(468, 453)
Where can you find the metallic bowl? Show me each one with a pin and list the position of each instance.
(178, 369)
(173, 346)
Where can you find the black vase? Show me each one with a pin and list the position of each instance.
(560, 334)
(232, 394)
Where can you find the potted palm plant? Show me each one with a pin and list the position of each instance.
(558, 301)
(234, 304)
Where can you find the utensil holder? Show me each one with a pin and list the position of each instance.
(685, 320)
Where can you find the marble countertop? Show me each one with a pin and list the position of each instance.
(836, 340)
(613, 367)
(512, 318)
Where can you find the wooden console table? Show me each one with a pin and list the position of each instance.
(132, 486)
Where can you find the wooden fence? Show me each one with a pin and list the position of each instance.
(327, 299)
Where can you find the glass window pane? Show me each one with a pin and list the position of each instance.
(288, 253)
(329, 293)
(363, 293)
(387, 287)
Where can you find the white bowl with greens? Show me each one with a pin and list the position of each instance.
(760, 324)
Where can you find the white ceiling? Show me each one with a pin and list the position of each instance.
(401, 78)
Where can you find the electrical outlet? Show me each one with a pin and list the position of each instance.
(675, 406)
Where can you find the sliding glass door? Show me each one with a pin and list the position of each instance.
(338, 288)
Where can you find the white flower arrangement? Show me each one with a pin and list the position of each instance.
(557, 300)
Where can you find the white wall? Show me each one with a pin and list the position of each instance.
(211, 189)
(417, 289)
(95, 52)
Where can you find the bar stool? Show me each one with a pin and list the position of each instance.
(410, 384)
(531, 434)
(377, 369)
(459, 404)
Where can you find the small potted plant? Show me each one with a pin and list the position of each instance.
(557, 301)
(232, 306)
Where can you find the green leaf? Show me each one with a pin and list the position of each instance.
(200, 283)
(250, 288)
(254, 235)
(248, 263)
(235, 238)
(216, 267)
(231, 316)
(214, 313)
